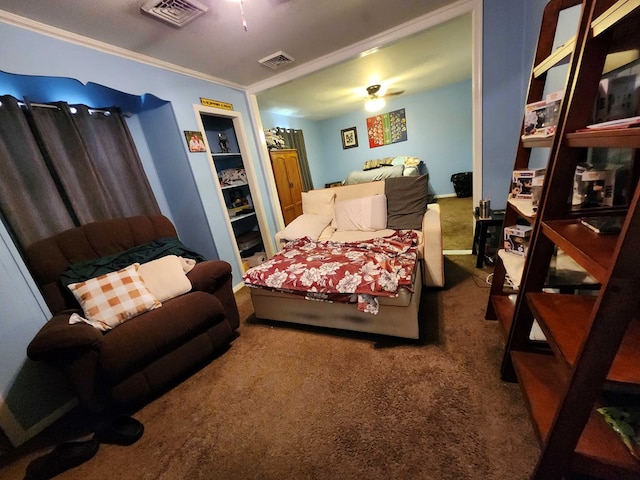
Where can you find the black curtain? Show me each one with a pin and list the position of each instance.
(295, 139)
(29, 198)
(66, 166)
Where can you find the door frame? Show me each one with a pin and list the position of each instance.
(430, 20)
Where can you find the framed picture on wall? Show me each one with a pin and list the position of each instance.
(349, 138)
(195, 141)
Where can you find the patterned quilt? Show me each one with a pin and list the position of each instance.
(341, 271)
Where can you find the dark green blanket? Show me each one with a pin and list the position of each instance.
(79, 272)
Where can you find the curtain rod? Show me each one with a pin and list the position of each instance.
(45, 105)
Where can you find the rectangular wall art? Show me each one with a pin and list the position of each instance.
(387, 128)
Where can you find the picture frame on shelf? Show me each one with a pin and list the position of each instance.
(349, 137)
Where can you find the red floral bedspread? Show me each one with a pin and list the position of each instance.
(321, 269)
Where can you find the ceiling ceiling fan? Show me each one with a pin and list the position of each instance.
(376, 100)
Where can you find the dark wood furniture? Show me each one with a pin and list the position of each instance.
(593, 354)
(481, 233)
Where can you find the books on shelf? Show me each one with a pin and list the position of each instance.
(604, 225)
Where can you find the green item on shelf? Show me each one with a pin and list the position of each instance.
(626, 423)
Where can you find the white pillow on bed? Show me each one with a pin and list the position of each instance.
(319, 202)
(306, 225)
(366, 214)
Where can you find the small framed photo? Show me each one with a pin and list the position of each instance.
(349, 138)
(195, 141)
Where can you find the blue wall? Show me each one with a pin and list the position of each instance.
(505, 72)
(439, 128)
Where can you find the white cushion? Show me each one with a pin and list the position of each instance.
(319, 202)
(113, 298)
(187, 264)
(366, 214)
(306, 225)
(165, 277)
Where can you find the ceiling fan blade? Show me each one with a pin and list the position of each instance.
(393, 92)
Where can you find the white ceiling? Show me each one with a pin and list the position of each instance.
(217, 46)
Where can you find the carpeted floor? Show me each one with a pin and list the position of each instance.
(457, 222)
(302, 403)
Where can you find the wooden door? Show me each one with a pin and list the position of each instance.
(286, 171)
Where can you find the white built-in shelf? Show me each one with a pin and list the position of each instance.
(240, 217)
(233, 154)
(245, 246)
(226, 187)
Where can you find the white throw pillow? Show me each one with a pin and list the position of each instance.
(306, 225)
(165, 277)
(366, 214)
(319, 202)
(187, 264)
(113, 298)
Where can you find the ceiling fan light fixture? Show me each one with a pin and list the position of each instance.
(374, 104)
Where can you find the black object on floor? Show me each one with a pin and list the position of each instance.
(61, 458)
(463, 184)
(119, 430)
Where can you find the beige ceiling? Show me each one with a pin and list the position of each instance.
(217, 46)
(438, 56)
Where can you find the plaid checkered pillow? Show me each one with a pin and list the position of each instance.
(113, 298)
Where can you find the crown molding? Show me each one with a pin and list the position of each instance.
(416, 25)
(65, 36)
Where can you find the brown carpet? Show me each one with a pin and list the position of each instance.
(301, 403)
(457, 222)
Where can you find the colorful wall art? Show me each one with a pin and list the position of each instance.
(387, 128)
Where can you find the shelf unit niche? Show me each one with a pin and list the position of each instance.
(592, 350)
(235, 181)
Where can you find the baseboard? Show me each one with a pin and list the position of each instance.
(17, 434)
(445, 195)
(457, 252)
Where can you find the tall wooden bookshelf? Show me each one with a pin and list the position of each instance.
(590, 356)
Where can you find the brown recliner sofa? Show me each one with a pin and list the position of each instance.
(146, 355)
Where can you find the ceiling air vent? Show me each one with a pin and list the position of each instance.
(277, 60)
(175, 12)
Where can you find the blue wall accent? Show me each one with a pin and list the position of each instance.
(505, 73)
(439, 129)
